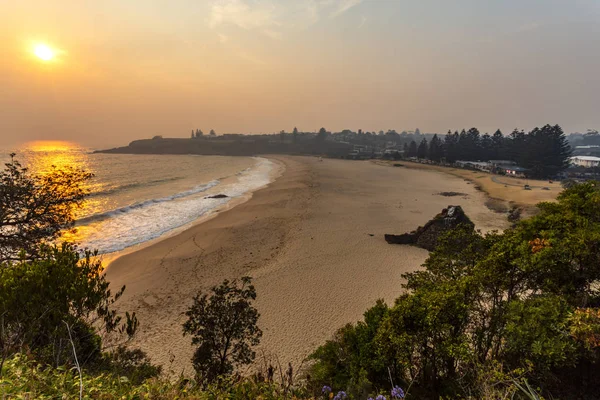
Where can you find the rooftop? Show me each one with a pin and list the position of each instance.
(586, 158)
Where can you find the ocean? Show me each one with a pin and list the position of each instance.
(137, 198)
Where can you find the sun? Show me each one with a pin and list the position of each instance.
(44, 52)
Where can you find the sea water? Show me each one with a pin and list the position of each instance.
(136, 198)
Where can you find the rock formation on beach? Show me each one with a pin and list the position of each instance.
(427, 236)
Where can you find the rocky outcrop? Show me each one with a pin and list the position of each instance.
(217, 196)
(427, 236)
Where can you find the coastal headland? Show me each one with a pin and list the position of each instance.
(313, 241)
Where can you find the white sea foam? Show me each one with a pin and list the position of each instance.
(118, 229)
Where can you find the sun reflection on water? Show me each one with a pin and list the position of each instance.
(43, 157)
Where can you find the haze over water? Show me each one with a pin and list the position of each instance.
(136, 198)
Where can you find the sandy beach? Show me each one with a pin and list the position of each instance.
(312, 240)
(504, 192)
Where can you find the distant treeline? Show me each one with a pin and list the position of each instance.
(544, 151)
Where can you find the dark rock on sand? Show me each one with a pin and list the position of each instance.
(217, 196)
(451, 194)
(427, 236)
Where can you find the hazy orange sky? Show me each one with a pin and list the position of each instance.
(128, 69)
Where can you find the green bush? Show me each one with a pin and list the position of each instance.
(521, 302)
(55, 297)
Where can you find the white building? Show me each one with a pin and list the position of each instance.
(585, 161)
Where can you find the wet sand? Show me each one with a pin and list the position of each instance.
(312, 240)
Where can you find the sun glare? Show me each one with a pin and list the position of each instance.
(50, 146)
(44, 52)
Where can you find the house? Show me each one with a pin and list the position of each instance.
(586, 161)
(481, 166)
(515, 171)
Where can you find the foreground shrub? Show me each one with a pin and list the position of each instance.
(223, 326)
(54, 299)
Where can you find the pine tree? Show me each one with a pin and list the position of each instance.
(498, 146)
(321, 135)
(516, 147)
(472, 152)
(486, 148)
(451, 147)
(435, 149)
(295, 134)
(193, 134)
(412, 149)
(463, 145)
(547, 151)
(212, 132)
(422, 150)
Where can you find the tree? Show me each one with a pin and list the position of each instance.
(498, 146)
(468, 145)
(451, 147)
(295, 135)
(516, 147)
(223, 326)
(547, 151)
(212, 132)
(35, 209)
(282, 136)
(321, 135)
(486, 148)
(199, 133)
(435, 149)
(422, 150)
(412, 149)
(193, 134)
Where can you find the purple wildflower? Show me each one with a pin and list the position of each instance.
(397, 393)
(380, 397)
(341, 395)
(326, 390)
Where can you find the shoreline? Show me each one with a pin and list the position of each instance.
(313, 242)
(504, 193)
(277, 170)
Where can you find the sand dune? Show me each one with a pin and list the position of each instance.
(313, 241)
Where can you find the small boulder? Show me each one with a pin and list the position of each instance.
(217, 196)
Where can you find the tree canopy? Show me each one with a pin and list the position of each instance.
(223, 326)
(35, 209)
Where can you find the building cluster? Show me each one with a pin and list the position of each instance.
(504, 167)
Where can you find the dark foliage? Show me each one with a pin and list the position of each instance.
(35, 209)
(223, 326)
(40, 300)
